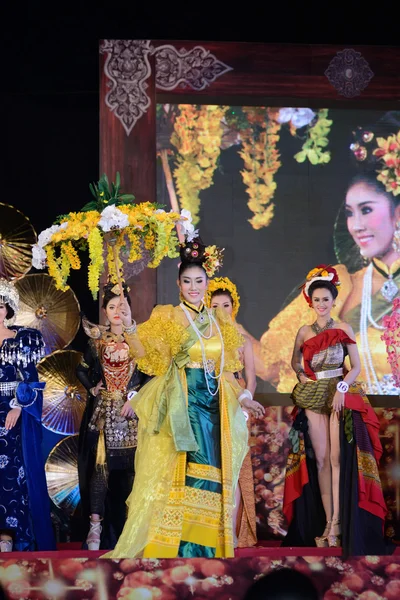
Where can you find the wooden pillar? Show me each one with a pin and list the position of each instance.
(128, 137)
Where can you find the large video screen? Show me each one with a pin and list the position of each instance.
(284, 189)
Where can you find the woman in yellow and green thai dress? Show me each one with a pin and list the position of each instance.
(222, 293)
(192, 435)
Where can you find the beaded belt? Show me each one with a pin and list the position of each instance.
(329, 374)
(8, 388)
(115, 395)
(210, 363)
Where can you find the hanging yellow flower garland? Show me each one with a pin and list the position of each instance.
(261, 161)
(197, 136)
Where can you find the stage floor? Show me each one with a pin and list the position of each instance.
(72, 574)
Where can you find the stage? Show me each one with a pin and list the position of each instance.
(71, 573)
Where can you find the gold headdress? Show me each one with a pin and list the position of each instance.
(9, 296)
(115, 289)
(223, 284)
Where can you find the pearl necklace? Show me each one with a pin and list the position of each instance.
(203, 352)
(365, 318)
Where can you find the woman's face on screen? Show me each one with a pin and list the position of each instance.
(371, 220)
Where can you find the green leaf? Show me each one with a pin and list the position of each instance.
(105, 179)
(118, 180)
(128, 197)
(325, 157)
(300, 157)
(90, 206)
(324, 122)
(323, 141)
(93, 189)
(312, 157)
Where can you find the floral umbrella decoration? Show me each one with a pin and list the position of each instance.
(111, 219)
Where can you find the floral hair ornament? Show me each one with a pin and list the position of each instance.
(10, 297)
(186, 225)
(210, 257)
(359, 146)
(320, 273)
(388, 153)
(223, 284)
(213, 258)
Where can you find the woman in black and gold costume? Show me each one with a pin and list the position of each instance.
(107, 440)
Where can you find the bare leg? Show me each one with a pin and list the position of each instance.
(318, 429)
(335, 465)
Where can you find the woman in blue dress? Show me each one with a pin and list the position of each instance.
(25, 522)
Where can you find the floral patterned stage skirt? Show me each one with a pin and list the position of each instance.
(14, 507)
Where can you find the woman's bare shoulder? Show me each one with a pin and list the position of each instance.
(345, 327)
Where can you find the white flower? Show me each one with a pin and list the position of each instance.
(38, 257)
(285, 115)
(159, 211)
(187, 226)
(302, 117)
(46, 235)
(38, 254)
(113, 218)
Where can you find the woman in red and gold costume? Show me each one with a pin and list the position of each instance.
(333, 494)
(222, 293)
(107, 439)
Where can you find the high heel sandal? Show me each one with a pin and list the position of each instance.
(93, 538)
(335, 541)
(322, 541)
